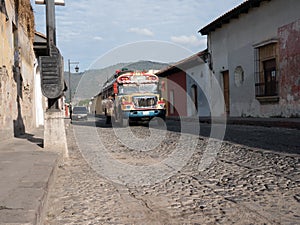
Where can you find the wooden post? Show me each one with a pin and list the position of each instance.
(52, 84)
(51, 38)
(50, 24)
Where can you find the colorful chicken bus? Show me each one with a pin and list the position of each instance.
(132, 96)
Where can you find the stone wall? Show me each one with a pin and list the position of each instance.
(17, 114)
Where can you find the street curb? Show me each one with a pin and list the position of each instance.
(42, 209)
(292, 123)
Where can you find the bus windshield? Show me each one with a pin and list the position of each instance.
(137, 88)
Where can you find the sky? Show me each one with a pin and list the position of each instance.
(98, 33)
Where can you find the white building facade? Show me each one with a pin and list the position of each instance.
(255, 55)
(198, 90)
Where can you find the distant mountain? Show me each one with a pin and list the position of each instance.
(146, 65)
(88, 84)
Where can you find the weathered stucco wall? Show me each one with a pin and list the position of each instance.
(8, 86)
(289, 59)
(232, 45)
(17, 113)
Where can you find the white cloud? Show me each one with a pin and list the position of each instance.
(80, 21)
(98, 38)
(188, 40)
(141, 31)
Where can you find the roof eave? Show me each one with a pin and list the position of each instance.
(232, 14)
(182, 64)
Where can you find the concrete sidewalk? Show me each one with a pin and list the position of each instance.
(26, 172)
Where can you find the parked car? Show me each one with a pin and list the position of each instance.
(79, 113)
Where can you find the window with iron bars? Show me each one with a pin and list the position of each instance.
(266, 70)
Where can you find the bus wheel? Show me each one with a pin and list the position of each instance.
(157, 121)
(108, 119)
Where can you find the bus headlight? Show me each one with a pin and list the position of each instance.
(161, 104)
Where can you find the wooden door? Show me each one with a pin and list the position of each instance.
(226, 91)
(270, 77)
(195, 99)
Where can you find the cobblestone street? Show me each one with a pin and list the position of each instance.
(242, 185)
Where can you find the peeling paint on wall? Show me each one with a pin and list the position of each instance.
(17, 113)
(289, 61)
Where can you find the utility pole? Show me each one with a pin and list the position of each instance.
(76, 70)
(70, 91)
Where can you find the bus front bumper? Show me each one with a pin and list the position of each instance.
(144, 114)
